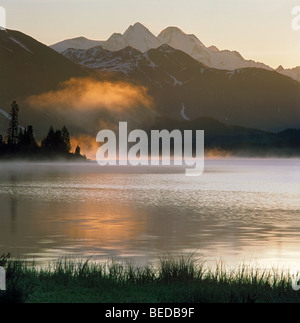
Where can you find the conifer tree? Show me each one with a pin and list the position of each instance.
(66, 138)
(77, 151)
(12, 131)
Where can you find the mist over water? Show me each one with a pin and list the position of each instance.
(239, 210)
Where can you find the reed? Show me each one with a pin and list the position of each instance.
(182, 279)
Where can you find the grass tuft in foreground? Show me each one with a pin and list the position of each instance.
(175, 280)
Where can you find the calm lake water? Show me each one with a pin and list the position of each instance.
(239, 210)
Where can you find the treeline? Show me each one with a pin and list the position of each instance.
(21, 143)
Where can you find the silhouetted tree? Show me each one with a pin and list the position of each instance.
(12, 131)
(66, 137)
(48, 142)
(57, 141)
(27, 139)
(77, 151)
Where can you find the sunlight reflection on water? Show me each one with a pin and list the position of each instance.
(239, 210)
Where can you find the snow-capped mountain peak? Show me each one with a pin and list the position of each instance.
(139, 37)
(76, 43)
(115, 37)
(174, 34)
(137, 28)
(176, 38)
(170, 32)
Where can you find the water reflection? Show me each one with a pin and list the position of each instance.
(237, 211)
(13, 213)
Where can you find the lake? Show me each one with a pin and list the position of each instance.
(238, 211)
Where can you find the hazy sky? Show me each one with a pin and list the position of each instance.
(259, 29)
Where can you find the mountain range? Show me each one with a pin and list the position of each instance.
(139, 37)
(294, 73)
(28, 67)
(181, 85)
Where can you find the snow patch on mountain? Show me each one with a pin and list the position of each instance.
(151, 63)
(5, 114)
(124, 61)
(183, 113)
(8, 117)
(20, 44)
(176, 82)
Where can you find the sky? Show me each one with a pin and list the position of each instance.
(259, 29)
